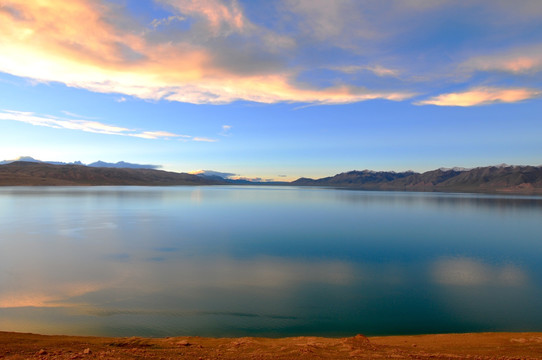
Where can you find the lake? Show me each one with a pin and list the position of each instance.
(267, 261)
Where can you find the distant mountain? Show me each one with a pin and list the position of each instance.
(501, 178)
(212, 173)
(123, 165)
(221, 176)
(20, 158)
(120, 164)
(31, 159)
(38, 173)
(226, 177)
(355, 178)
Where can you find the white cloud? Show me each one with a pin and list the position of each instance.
(204, 139)
(83, 125)
(226, 130)
(158, 135)
(71, 114)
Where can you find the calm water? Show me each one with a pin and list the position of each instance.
(267, 261)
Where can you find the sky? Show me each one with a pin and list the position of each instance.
(273, 90)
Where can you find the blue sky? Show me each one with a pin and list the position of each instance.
(273, 89)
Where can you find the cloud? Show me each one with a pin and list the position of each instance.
(221, 51)
(223, 17)
(376, 69)
(226, 130)
(70, 114)
(167, 21)
(340, 21)
(203, 139)
(83, 125)
(59, 123)
(523, 60)
(75, 43)
(158, 135)
(482, 96)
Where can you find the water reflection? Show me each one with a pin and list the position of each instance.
(443, 200)
(233, 261)
(469, 272)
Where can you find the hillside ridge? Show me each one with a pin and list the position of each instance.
(502, 178)
(22, 173)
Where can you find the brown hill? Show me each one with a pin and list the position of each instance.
(512, 179)
(32, 174)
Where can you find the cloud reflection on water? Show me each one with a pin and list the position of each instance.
(50, 285)
(470, 272)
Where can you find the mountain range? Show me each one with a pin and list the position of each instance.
(99, 163)
(502, 178)
(39, 173)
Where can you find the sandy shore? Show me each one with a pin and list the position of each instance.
(449, 346)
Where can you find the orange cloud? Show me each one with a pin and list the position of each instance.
(512, 64)
(515, 61)
(481, 96)
(74, 43)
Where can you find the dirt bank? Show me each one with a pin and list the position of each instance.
(450, 346)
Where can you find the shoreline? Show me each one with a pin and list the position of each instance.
(481, 346)
(536, 192)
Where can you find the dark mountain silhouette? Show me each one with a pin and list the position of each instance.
(34, 173)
